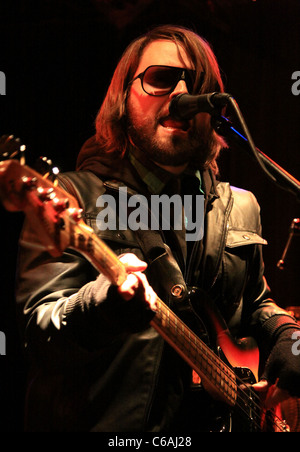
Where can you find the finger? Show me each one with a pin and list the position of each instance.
(129, 287)
(138, 282)
(151, 297)
(275, 396)
(133, 263)
(271, 394)
(262, 386)
(135, 281)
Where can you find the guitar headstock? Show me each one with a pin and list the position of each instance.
(52, 212)
(11, 147)
(46, 205)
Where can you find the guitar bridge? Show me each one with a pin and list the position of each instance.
(245, 374)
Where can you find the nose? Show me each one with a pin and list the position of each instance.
(180, 88)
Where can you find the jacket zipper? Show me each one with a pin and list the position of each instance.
(224, 237)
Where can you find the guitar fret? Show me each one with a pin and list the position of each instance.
(205, 361)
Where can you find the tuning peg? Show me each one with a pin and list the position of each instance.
(22, 154)
(10, 147)
(60, 205)
(29, 182)
(76, 214)
(46, 194)
(55, 171)
(45, 167)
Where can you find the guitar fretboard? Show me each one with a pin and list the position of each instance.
(215, 374)
(217, 377)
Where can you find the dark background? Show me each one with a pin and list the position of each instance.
(58, 57)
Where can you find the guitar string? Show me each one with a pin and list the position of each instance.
(255, 407)
(219, 364)
(210, 356)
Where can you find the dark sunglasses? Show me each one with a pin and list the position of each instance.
(161, 80)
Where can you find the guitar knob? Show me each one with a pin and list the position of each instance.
(76, 214)
(60, 205)
(46, 194)
(29, 182)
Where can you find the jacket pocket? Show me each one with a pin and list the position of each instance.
(238, 237)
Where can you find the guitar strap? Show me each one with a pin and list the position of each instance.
(164, 268)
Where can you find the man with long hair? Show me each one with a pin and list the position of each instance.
(97, 362)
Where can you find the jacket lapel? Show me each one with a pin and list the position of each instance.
(219, 205)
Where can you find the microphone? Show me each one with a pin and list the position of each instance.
(185, 106)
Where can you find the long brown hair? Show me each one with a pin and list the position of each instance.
(111, 125)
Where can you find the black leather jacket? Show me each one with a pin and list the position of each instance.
(89, 375)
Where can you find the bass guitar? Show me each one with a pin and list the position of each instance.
(59, 217)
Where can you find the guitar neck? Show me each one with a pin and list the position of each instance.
(217, 377)
(21, 188)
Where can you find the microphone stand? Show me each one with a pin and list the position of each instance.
(275, 172)
(279, 176)
(225, 128)
(294, 230)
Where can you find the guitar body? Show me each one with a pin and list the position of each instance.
(242, 356)
(249, 414)
(223, 419)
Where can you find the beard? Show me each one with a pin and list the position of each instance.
(173, 150)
